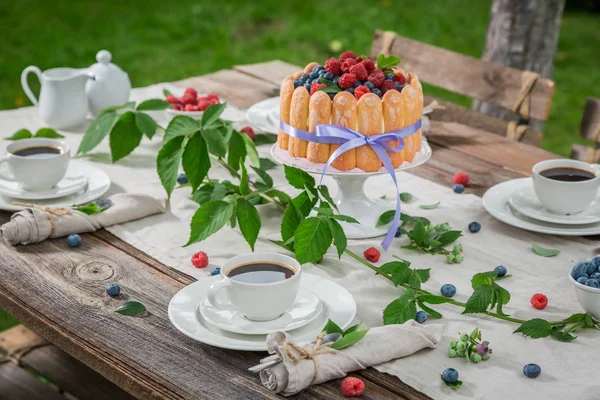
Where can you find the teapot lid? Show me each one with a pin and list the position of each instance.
(105, 68)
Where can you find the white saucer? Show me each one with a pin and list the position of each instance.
(526, 202)
(305, 309)
(184, 315)
(71, 183)
(496, 202)
(264, 115)
(97, 184)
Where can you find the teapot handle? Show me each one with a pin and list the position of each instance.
(25, 85)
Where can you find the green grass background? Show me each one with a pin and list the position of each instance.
(156, 41)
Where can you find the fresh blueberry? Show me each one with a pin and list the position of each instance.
(421, 317)
(578, 270)
(399, 86)
(474, 227)
(482, 349)
(104, 203)
(357, 83)
(113, 289)
(532, 370)
(448, 290)
(593, 283)
(215, 271)
(313, 75)
(501, 269)
(582, 279)
(596, 261)
(316, 69)
(369, 85)
(307, 85)
(450, 375)
(590, 267)
(458, 188)
(398, 232)
(304, 77)
(377, 92)
(349, 90)
(182, 179)
(336, 80)
(389, 76)
(297, 82)
(328, 76)
(73, 240)
(596, 276)
(322, 73)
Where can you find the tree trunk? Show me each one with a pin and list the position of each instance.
(522, 34)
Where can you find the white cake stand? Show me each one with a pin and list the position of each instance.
(351, 198)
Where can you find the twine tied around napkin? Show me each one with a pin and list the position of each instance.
(297, 353)
(51, 211)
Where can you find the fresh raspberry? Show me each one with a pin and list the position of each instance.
(315, 86)
(539, 301)
(359, 59)
(177, 107)
(360, 72)
(369, 65)
(360, 91)
(172, 99)
(388, 84)
(188, 98)
(212, 96)
(191, 92)
(334, 66)
(400, 78)
(347, 64)
(377, 77)
(190, 107)
(248, 131)
(203, 104)
(352, 387)
(461, 178)
(200, 259)
(213, 100)
(346, 81)
(372, 254)
(347, 54)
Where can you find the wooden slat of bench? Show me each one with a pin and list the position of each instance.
(18, 384)
(482, 80)
(271, 71)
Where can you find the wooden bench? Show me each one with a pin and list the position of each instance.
(589, 129)
(523, 92)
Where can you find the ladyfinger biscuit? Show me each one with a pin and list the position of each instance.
(344, 114)
(319, 112)
(416, 84)
(298, 74)
(393, 118)
(308, 69)
(410, 101)
(285, 93)
(299, 119)
(370, 122)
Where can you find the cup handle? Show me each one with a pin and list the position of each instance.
(213, 297)
(25, 85)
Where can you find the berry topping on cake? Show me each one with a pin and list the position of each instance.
(369, 65)
(400, 78)
(359, 71)
(347, 64)
(347, 81)
(315, 86)
(387, 85)
(334, 66)
(360, 91)
(347, 54)
(376, 77)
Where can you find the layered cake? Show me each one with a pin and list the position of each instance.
(352, 92)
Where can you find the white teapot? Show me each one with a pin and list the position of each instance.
(111, 85)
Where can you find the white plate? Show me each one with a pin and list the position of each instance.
(526, 202)
(264, 115)
(97, 184)
(305, 309)
(184, 315)
(71, 183)
(495, 201)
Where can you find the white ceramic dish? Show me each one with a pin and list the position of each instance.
(72, 182)
(588, 297)
(184, 315)
(496, 202)
(526, 202)
(305, 309)
(97, 184)
(264, 115)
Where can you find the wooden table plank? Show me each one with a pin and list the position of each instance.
(272, 72)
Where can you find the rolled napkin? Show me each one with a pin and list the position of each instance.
(320, 364)
(36, 224)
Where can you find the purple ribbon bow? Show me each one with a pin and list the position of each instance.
(350, 139)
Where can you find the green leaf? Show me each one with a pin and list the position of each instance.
(385, 218)
(303, 203)
(208, 219)
(419, 233)
(432, 313)
(339, 236)
(264, 139)
(195, 160)
(167, 163)
(283, 197)
(251, 150)
(562, 336)
(290, 222)
(153, 105)
(124, 136)
(48, 133)
(353, 328)
(453, 385)
(298, 178)
(433, 299)
(209, 192)
(400, 310)
(244, 183)
(237, 151)
(448, 237)
(267, 164)
(345, 218)
(398, 270)
(90, 208)
(212, 114)
(131, 308)
(429, 206)
(479, 300)
(544, 252)
(332, 327)
(324, 190)
(349, 339)
(97, 131)
(166, 93)
(264, 176)
(406, 197)
(248, 220)
(330, 86)
(20, 134)
(422, 274)
(482, 278)
(311, 240)
(145, 124)
(181, 125)
(535, 328)
(217, 142)
(575, 318)
(387, 62)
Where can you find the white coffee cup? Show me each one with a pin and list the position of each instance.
(564, 197)
(37, 172)
(256, 301)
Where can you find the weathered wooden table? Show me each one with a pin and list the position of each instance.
(60, 294)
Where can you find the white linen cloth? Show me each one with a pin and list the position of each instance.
(380, 344)
(569, 370)
(34, 225)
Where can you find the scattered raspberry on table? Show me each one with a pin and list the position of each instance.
(539, 301)
(200, 259)
(352, 387)
(249, 131)
(461, 178)
(372, 254)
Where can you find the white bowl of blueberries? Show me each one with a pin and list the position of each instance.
(585, 277)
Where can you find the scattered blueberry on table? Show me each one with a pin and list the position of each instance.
(421, 317)
(532, 370)
(450, 375)
(501, 269)
(215, 271)
(113, 289)
(474, 227)
(448, 290)
(458, 188)
(182, 179)
(74, 240)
